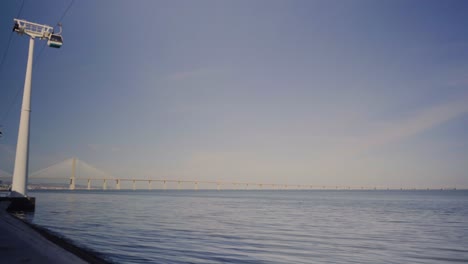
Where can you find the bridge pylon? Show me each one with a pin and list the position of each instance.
(73, 175)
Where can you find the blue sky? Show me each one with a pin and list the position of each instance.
(349, 93)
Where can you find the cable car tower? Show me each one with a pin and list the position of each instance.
(42, 32)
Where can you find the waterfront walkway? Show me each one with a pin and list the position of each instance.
(20, 243)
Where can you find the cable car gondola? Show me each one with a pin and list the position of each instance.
(55, 41)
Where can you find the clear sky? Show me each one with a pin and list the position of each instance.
(359, 93)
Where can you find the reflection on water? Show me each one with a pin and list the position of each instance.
(262, 226)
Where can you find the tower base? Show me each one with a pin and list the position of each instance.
(20, 204)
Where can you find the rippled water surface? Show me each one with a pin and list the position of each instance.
(262, 226)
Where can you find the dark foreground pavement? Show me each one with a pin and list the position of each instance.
(22, 243)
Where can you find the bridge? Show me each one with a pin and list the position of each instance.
(76, 174)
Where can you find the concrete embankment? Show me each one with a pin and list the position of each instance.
(21, 242)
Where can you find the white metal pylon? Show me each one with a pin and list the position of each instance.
(43, 32)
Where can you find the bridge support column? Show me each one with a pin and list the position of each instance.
(72, 184)
(117, 182)
(73, 176)
(89, 184)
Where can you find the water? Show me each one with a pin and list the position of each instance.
(262, 226)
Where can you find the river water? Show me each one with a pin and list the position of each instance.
(262, 226)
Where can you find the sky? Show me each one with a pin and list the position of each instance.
(348, 93)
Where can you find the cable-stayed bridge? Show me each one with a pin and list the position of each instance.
(63, 174)
(75, 174)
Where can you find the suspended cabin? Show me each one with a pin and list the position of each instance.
(55, 41)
